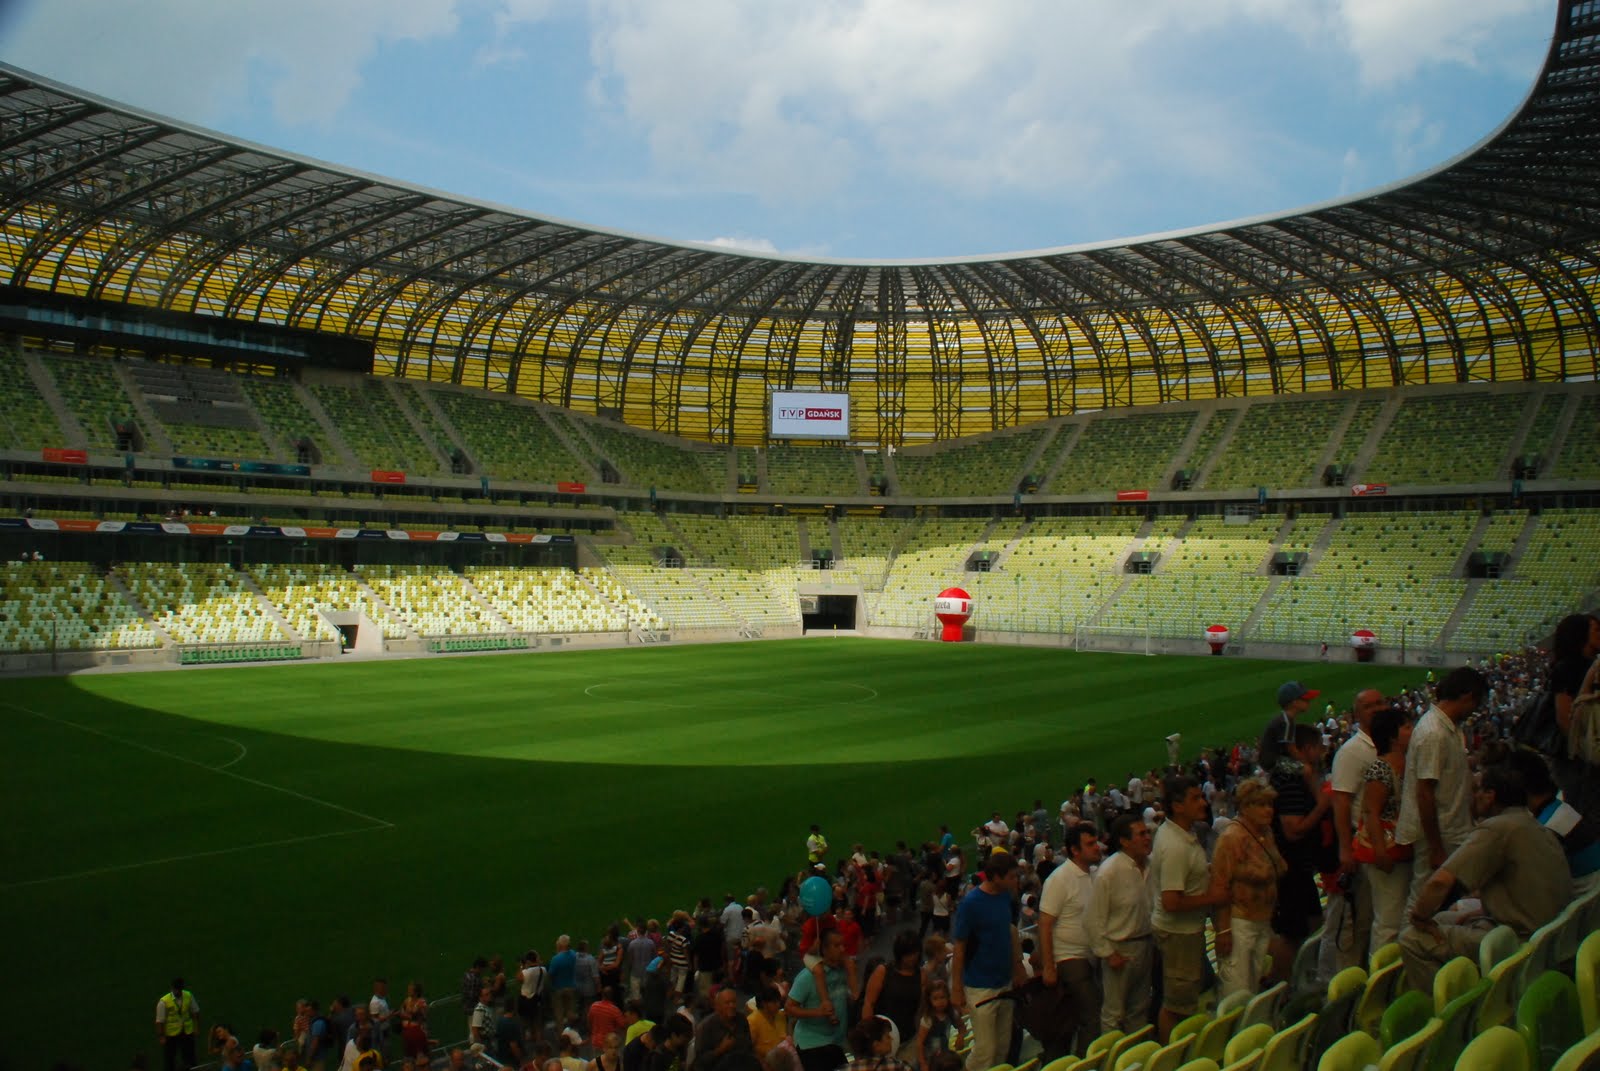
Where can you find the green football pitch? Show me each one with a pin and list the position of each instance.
(288, 831)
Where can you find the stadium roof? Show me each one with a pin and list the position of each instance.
(1483, 269)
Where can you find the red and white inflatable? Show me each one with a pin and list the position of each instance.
(953, 608)
(1217, 636)
(1364, 642)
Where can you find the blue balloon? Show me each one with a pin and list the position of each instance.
(816, 895)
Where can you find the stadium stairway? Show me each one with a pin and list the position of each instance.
(891, 475)
(114, 582)
(1530, 412)
(1066, 440)
(1330, 450)
(345, 457)
(392, 388)
(156, 440)
(1030, 464)
(271, 608)
(1011, 545)
(1524, 537)
(572, 435)
(863, 476)
(1558, 436)
(1184, 454)
(1474, 538)
(1459, 614)
(432, 415)
(1202, 471)
(368, 591)
(484, 604)
(1369, 449)
(803, 533)
(72, 432)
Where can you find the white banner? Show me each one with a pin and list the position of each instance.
(810, 415)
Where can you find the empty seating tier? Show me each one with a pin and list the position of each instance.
(812, 470)
(509, 440)
(1277, 444)
(201, 603)
(983, 467)
(1445, 439)
(66, 606)
(1122, 453)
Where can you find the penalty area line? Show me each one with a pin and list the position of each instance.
(377, 823)
(144, 863)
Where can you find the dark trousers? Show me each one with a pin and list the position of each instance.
(822, 1058)
(183, 1043)
(1079, 981)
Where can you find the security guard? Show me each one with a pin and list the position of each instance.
(177, 1024)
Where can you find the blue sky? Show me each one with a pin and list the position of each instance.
(881, 129)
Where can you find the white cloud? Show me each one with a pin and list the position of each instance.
(1393, 40)
(740, 241)
(199, 57)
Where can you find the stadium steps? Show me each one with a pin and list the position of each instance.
(392, 388)
(425, 398)
(1011, 545)
(863, 476)
(1181, 455)
(114, 582)
(346, 457)
(1320, 545)
(270, 607)
(1530, 413)
(1137, 543)
(891, 475)
(763, 485)
(1330, 450)
(1459, 614)
(1249, 626)
(834, 542)
(1520, 547)
(1475, 537)
(72, 433)
(156, 440)
(803, 534)
(1167, 548)
(1369, 449)
(369, 592)
(484, 604)
(1068, 436)
(1202, 471)
(1030, 464)
(584, 449)
(1558, 437)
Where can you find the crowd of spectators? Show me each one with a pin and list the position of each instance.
(1367, 822)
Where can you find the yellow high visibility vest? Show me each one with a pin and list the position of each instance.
(180, 1016)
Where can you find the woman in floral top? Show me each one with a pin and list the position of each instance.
(1248, 866)
(1388, 864)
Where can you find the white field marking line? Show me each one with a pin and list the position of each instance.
(872, 693)
(243, 751)
(101, 870)
(377, 823)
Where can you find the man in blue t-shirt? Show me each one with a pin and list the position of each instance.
(988, 960)
(564, 983)
(819, 1026)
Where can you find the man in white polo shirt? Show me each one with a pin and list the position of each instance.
(1183, 900)
(1347, 925)
(1064, 938)
(1436, 800)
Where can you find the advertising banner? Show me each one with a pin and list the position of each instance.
(1132, 496)
(810, 415)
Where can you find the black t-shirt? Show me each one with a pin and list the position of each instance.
(1294, 800)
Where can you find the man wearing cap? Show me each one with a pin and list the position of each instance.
(1294, 699)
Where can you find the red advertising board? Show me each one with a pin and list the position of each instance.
(1363, 490)
(572, 488)
(65, 457)
(1132, 496)
(387, 476)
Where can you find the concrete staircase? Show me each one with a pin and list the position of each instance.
(1203, 472)
(1530, 411)
(441, 462)
(863, 474)
(72, 432)
(1330, 449)
(1369, 449)
(1181, 455)
(114, 582)
(156, 440)
(1067, 440)
(482, 603)
(270, 607)
(346, 458)
(1459, 614)
(1558, 437)
(431, 404)
(1520, 547)
(368, 591)
(1459, 566)
(582, 448)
